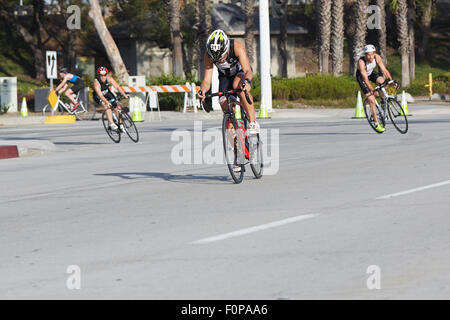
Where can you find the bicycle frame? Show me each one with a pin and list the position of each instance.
(231, 100)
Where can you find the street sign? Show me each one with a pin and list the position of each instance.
(50, 62)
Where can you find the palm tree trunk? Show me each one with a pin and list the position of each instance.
(361, 30)
(282, 39)
(324, 12)
(382, 30)
(108, 42)
(337, 37)
(175, 35)
(249, 11)
(425, 9)
(403, 39)
(200, 36)
(412, 43)
(350, 31)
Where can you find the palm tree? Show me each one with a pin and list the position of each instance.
(360, 31)
(337, 36)
(350, 30)
(412, 42)
(249, 11)
(108, 42)
(403, 39)
(382, 30)
(425, 8)
(324, 12)
(200, 35)
(173, 13)
(282, 38)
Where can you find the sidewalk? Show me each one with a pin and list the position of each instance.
(420, 107)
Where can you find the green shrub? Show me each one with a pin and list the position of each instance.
(311, 87)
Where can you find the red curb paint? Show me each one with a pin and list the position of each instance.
(8, 152)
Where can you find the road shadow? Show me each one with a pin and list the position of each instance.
(322, 134)
(187, 178)
(80, 143)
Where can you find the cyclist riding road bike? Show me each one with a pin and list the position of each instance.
(365, 72)
(231, 60)
(103, 95)
(72, 92)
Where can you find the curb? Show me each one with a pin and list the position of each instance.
(7, 152)
(27, 148)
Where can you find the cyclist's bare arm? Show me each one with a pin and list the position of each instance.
(99, 93)
(362, 69)
(383, 68)
(206, 83)
(241, 54)
(116, 86)
(63, 83)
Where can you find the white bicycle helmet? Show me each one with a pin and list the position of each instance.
(217, 45)
(369, 48)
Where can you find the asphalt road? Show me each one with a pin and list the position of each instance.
(138, 225)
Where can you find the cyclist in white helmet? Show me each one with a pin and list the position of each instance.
(231, 60)
(366, 73)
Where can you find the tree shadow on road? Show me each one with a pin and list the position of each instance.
(187, 178)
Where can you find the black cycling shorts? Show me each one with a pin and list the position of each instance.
(78, 86)
(226, 83)
(373, 77)
(109, 96)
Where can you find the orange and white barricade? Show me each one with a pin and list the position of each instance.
(190, 90)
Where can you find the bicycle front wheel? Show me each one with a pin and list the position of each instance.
(256, 156)
(370, 117)
(398, 116)
(233, 148)
(130, 127)
(113, 134)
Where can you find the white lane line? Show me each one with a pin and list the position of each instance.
(434, 185)
(254, 229)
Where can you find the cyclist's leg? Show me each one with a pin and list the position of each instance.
(71, 95)
(368, 95)
(225, 84)
(249, 108)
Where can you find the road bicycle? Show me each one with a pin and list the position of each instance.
(123, 118)
(239, 147)
(388, 106)
(82, 112)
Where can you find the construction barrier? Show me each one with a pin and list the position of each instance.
(60, 119)
(189, 90)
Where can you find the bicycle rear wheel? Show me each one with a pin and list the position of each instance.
(113, 134)
(130, 127)
(370, 117)
(233, 146)
(256, 156)
(398, 116)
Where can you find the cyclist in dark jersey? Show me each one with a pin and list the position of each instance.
(72, 92)
(104, 96)
(231, 60)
